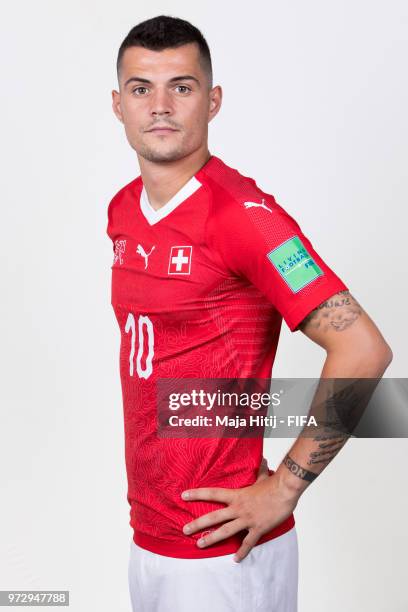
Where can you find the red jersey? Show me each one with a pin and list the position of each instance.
(199, 289)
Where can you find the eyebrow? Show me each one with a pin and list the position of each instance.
(183, 77)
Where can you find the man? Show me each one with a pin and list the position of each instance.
(201, 279)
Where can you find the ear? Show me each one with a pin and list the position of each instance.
(215, 96)
(116, 105)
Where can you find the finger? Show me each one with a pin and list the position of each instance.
(212, 518)
(218, 494)
(222, 533)
(247, 544)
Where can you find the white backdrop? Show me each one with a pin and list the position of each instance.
(315, 99)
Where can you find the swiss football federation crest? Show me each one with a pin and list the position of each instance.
(120, 246)
(180, 259)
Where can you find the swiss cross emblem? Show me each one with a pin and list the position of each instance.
(180, 259)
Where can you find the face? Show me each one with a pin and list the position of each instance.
(165, 102)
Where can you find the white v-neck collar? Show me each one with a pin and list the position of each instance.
(153, 216)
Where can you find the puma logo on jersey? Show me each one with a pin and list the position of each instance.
(120, 246)
(262, 205)
(140, 251)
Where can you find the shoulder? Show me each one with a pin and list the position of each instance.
(123, 191)
(118, 201)
(237, 201)
(117, 207)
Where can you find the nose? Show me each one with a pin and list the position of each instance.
(161, 103)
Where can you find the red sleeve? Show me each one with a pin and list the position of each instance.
(267, 247)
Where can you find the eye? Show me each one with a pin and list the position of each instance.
(183, 87)
(137, 89)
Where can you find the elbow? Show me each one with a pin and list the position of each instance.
(387, 355)
(365, 359)
(381, 356)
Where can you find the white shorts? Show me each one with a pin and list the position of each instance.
(265, 581)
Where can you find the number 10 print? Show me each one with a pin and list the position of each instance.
(143, 322)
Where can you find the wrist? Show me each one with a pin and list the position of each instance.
(292, 486)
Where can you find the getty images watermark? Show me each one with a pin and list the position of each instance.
(285, 407)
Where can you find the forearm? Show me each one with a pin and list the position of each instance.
(310, 455)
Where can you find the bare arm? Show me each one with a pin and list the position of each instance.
(355, 349)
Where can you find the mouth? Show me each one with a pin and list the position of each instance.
(162, 130)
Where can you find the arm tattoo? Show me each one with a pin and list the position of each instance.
(325, 456)
(333, 421)
(337, 410)
(338, 313)
(338, 415)
(296, 469)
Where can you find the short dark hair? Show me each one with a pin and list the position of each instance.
(164, 32)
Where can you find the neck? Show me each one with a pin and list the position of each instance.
(164, 179)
